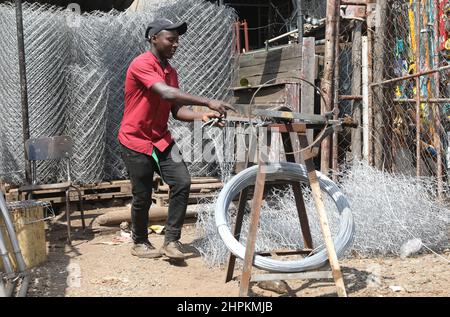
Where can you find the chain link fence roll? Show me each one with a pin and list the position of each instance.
(76, 67)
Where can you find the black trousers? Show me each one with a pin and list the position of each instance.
(174, 172)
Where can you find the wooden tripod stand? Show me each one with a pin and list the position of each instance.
(286, 130)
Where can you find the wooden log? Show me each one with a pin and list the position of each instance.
(308, 72)
(379, 64)
(195, 187)
(156, 213)
(269, 57)
(328, 73)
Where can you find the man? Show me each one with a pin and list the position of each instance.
(151, 92)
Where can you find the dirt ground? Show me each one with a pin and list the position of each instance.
(99, 263)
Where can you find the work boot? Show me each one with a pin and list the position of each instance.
(145, 250)
(173, 250)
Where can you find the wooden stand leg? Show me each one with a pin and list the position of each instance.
(237, 232)
(320, 208)
(239, 218)
(251, 238)
(302, 216)
(299, 201)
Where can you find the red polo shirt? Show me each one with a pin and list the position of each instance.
(144, 122)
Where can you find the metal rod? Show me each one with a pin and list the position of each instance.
(350, 97)
(281, 36)
(418, 74)
(238, 37)
(424, 100)
(245, 25)
(23, 86)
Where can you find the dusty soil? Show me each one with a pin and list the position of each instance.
(97, 264)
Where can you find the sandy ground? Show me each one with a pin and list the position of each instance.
(97, 264)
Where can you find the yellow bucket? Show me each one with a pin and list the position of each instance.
(27, 218)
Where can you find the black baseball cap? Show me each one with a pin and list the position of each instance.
(164, 24)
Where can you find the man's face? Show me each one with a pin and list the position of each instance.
(166, 43)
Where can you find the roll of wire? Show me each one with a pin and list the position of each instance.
(289, 172)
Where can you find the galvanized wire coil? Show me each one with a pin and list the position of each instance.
(289, 172)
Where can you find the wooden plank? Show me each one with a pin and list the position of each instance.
(270, 94)
(320, 49)
(274, 68)
(281, 66)
(324, 225)
(254, 87)
(354, 11)
(262, 57)
(285, 252)
(163, 199)
(251, 237)
(292, 276)
(308, 73)
(280, 77)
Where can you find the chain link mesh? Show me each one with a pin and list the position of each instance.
(76, 67)
(402, 143)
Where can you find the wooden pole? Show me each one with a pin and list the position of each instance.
(254, 222)
(337, 68)
(417, 62)
(300, 21)
(417, 74)
(328, 72)
(379, 63)
(23, 86)
(370, 95)
(356, 90)
(436, 109)
(365, 92)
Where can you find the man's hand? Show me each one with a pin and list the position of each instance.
(208, 116)
(220, 106)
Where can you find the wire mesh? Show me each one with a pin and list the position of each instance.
(76, 73)
(410, 137)
(315, 8)
(385, 217)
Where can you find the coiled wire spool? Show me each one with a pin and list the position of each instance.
(289, 172)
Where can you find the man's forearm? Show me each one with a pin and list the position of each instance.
(186, 114)
(177, 96)
(180, 98)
